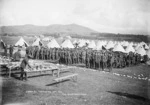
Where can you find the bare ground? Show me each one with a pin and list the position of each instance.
(92, 88)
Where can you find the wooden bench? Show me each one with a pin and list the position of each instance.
(68, 77)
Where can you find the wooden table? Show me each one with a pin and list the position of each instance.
(44, 70)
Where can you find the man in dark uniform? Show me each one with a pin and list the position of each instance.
(17, 55)
(41, 53)
(23, 65)
(53, 54)
(69, 57)
(37, 53)
(88, 55)
(5, 50)
(11, 50)
(83, 56)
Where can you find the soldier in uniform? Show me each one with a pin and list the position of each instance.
(5, 50)
(17, 55)
(83, 56)
(104, 61)
(87, 59)
(11, 50)
(23, 65)
(38, 53)
(41, 53)
(69, 58)
(53, 54)
(109, 62)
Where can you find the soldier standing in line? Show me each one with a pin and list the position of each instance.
(112, 61)
(11, 49)
(74, 57)
(87, 59)
(77, 55)
(41, 53)
(125, 59)
(104, 61)
(145, 58)
(121, 59)
(83, 54)
(118, 61)
(66, 57)
(69, 58)
(50, 53)
(109, 62)
(133, 60)
(38, 53)
(5, 50)
(139, 58)
(47, 54)
(57, 54)
(53, 54)
(63, 56)
(96, 60)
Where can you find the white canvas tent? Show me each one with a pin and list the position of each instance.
(119, 48)
(46, 39)
(53, 44)
(125, 43)
(21, 42)
(109, 45)
(137, 46)
(81, 43)
(99, 45)
(92, 44)
(130, 48)
(37, 42)
(141, 51)
(67, 44)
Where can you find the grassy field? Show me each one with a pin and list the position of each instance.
(119, 87)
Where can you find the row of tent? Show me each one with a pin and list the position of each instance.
(123, 46)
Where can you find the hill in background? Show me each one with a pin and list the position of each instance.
(56, 28)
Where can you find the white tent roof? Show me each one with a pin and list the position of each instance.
(130, 48)
(99, 45)
(119, 48)
(21, 42)
(67, 44)
(81, 43)
(125, 43)
(37, 42)
(141, 51)
(109, 45)
(92, 44)
(53, 44)
(46, 39)
(137, 46)
(144, 44)
(75, 41)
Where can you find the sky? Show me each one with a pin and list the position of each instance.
(114, 16)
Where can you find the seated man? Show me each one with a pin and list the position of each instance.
(23, 65)
(17, 55)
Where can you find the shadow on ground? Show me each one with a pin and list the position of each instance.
(56, 83)
(132, 96)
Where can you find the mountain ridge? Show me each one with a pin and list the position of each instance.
(54, 28)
